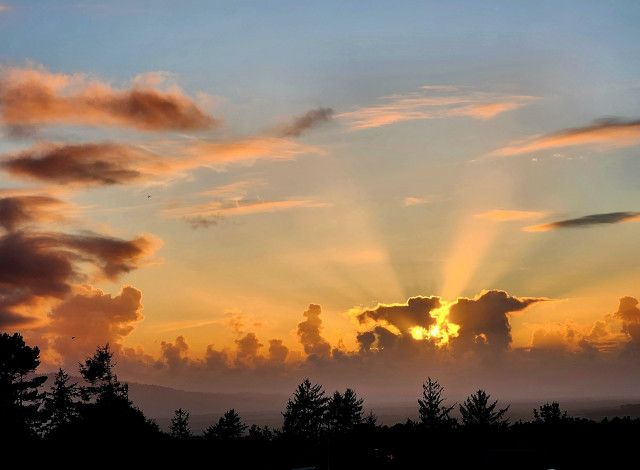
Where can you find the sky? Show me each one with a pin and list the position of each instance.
(239, 195)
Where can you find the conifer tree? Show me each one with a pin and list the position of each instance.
(229, 426)
(345, 411)
(477, 412)
(179, 428)
(432, 414)
(60, 407)
(305, 413)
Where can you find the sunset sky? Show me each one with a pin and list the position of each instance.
(240, 195)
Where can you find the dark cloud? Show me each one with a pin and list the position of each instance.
(40, 266)
(248, 347)
(174, 355)
(300, 124)
(414, 313)
(203, 222)
(102, 163)
(588, 220)
(365, 341)
(628, 310)
(309, 333)
(484, 320)
(36, 96)
(18, 210)
(277, 351)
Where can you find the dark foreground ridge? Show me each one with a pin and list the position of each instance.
(95, 424)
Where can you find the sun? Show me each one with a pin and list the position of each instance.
(441, 331)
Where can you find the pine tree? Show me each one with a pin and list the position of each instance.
(477, 412)
(229, 426)
(60, 407)
(432, 414)
(179, 428)
(345, 411)
(305, 413)
(19, 396)
(103, 382)
(550, 413)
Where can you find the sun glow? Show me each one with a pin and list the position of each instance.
(441, 331)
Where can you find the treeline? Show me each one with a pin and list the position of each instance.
(97, 422)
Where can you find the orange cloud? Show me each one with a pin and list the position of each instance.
(611, 133)
(35, 96)
(16, 211)
(435, 102)
(298, 125)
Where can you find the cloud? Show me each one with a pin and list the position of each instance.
(607, 132)
(587, 221)
(298, 125)
(34, 96)
(416, 312)
(277, 351)
(507, 215)
(16, 211)
(92, 163)
(37, 267)
(309, 333)
(484, 321)
(433, 102)
(91, 316)
(175, 355)
(248, 347)
(415, 201)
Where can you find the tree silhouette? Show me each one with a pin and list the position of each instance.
(304, 415)
(60, 407)
(103, 382)
(229, 426)
(344, 412)
(550, 413)
(19, 396)
(432, 414)
(258, 433)
(477, 412)
(179, 428)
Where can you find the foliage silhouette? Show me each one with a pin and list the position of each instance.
(20, 398)
(344, 411)
(60, 407)
(179, 428)
(550, 413)
(477, 412)
(305, 413)
(434, 416)
(103, 382)
(228, 427)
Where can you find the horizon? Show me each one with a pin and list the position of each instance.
(238, 196)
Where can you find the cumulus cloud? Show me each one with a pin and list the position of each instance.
(298, 125)
(433, 102)
(277, 351)
(247, 348)
(587, 221)
(16, 211)
(90, 317)
(39, 266)
(309, 333)
(416, 312)
(484, 320)
(606, 132)
(34, 96)
(174, 355)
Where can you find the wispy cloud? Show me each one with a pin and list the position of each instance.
(587, 221)
(507, 215)
(433, 102)
(607, 132)
(415, 201)
(34, 96)
(296, 126)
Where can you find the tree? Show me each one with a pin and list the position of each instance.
(432, 415)
(258, 433)
(103, 382)
(304, 415)
(550, 414)
(60, 407)
(229, 426)
(477, 412)
(179, 428)
(344, 412)
(19, 396)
